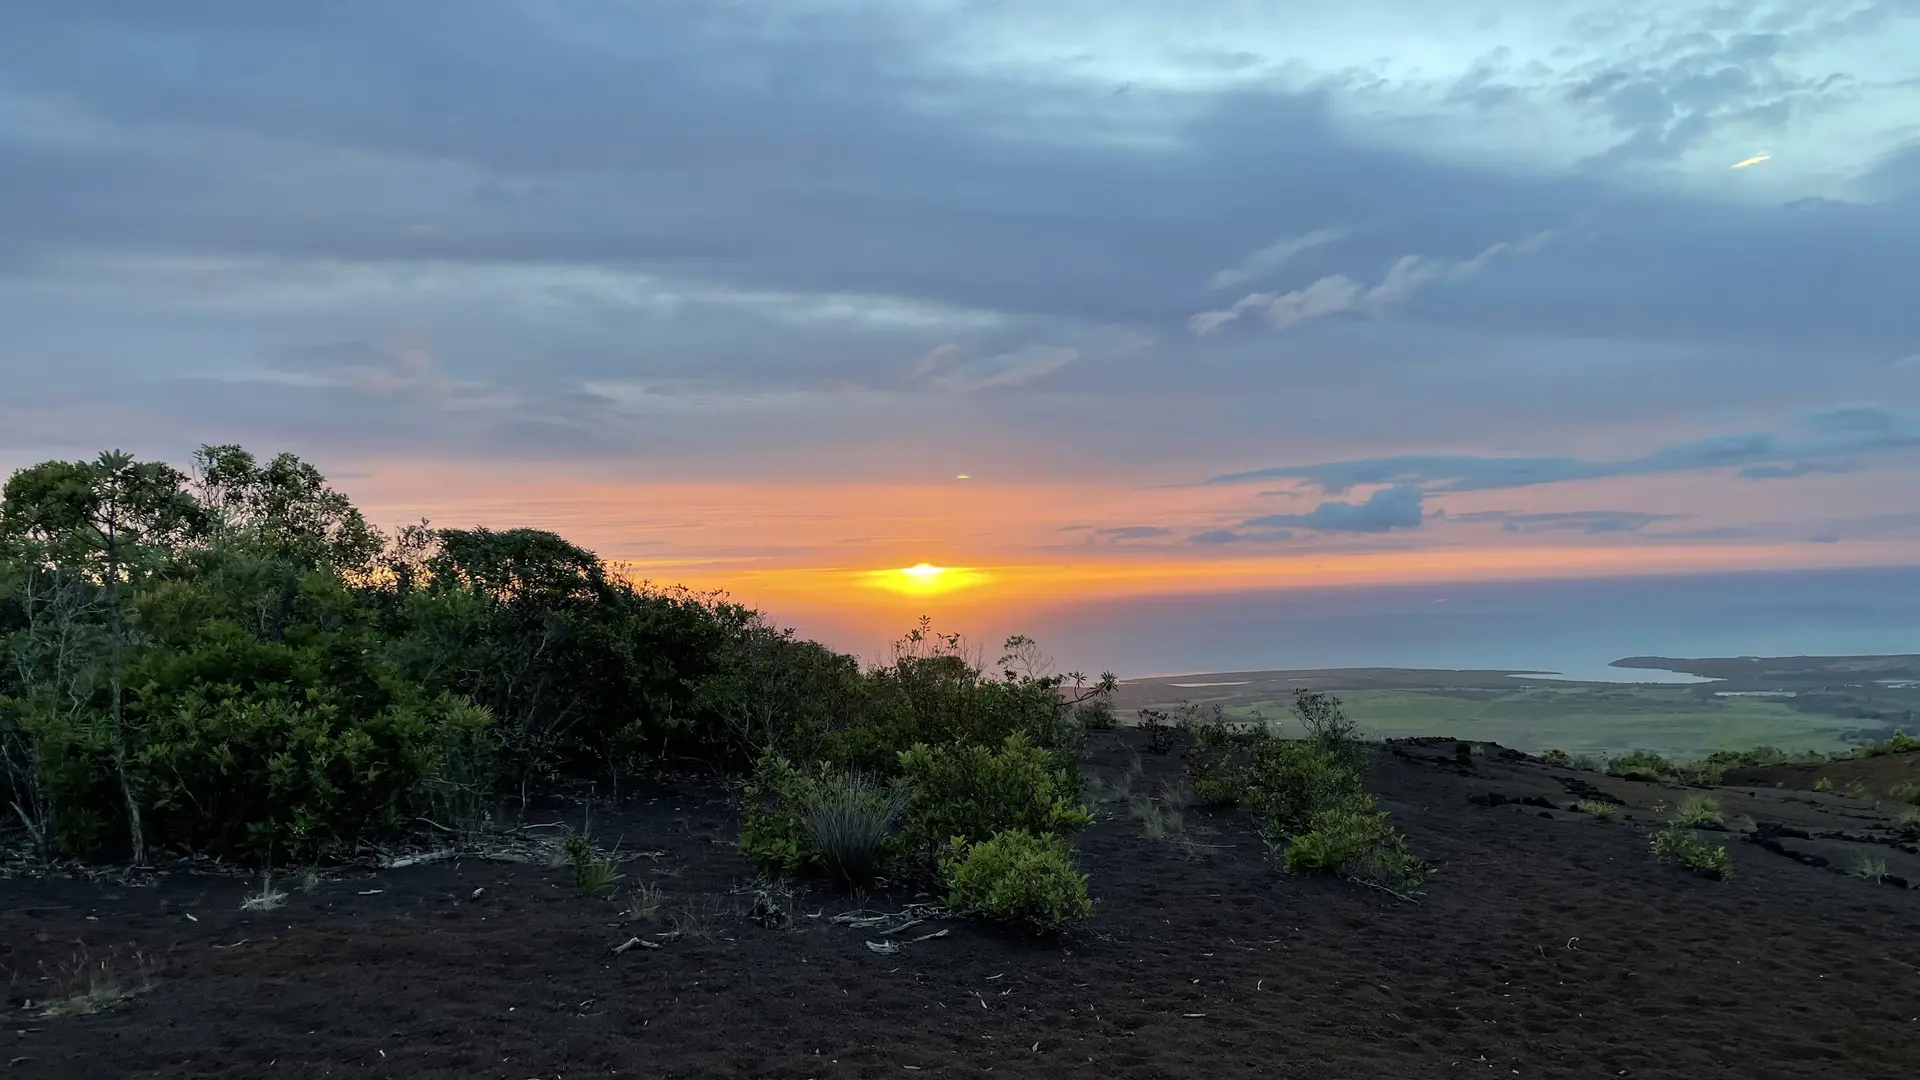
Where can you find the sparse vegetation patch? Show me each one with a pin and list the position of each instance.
(1680, 845)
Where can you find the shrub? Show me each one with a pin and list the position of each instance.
(1699, 810)
(1825, 783)
(1274, 778)
(1356, 842)
(1898, 743)
(1016, 877)
(1288, 783)
(1605, 811)
(1159, 730)
(1641, 765)
(1907, 792)
(973, 792)
(1702, 773)
(1870, 868)
(1329, 731)
(773, 829)
(1676, 844)
(848, 822)
(1559, 758)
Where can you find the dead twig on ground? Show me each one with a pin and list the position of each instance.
(1390, 892)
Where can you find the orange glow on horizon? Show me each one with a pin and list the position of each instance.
(858, 549)
(1032, 585)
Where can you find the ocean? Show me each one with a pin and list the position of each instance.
(1574, 628)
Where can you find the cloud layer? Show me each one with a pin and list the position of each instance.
(1434, 259)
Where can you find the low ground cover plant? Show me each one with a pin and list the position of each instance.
(1681, 845)
(1699, 810)
(1605, 811)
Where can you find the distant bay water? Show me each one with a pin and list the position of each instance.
(1575, 628)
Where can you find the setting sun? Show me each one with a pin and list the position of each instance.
(926, 579)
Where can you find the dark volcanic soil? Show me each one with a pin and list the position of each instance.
(1546, 944)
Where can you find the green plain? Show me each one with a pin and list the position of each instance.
(1676, 722)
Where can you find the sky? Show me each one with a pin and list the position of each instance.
(1198, 297)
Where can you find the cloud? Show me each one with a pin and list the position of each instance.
(1798, 469)
(1217, 537)
(948, 368)
(1852, 429)
(1134, 532)
(732, 287)
(1273, 257)
(370, 370)
(1397, 507)
(1592, 522)
(1337, 293)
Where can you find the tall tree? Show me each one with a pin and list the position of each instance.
(286, 508)
(113, 519)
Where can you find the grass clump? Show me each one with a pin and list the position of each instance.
(1677, 844)
(1699, 810)
(1907, 821)
(1605, 811)
(1356, 842)
(1824, 783)
(840, 823)
(1162, 821)
(850, 822)
(267, 899)
(1558, 758)
(1870, 868)
(643, 903)
(88, 985)
(1907, 792)
(1016, 877)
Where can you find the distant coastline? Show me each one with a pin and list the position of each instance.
(1818, 703)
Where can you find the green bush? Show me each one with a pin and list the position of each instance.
(1898, 743)
(1329, 730)
(1016, 877)
(1906, 792)
(1678, 844)
(1357, 842)
(971, 792)
(1289, 783)
(236, 663)
(234, 743)
(1641, 765)
(774, 829)
(1558, 758)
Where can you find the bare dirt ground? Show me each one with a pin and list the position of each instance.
(1547, 943)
